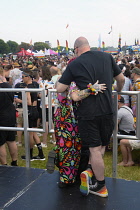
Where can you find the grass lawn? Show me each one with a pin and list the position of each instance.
(128, 173)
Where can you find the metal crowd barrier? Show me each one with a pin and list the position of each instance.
(50, 95)
(116, 136)
(25, 127)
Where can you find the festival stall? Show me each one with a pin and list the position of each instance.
(133, 49)
(50, 52)
(39, 54)
(24, 52)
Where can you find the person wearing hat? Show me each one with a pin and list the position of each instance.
(125, 127)
(135, 75)
(15, 75)
(32, 116)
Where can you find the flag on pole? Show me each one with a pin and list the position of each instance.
(67, 25)
(67, 47)
(119, 44)
(110, 30)
(103, 45)
(31, 42)
(99, 41)
(58, 47)
(31, 45)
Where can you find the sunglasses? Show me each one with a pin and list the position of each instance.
(74, 49)
(24, 76)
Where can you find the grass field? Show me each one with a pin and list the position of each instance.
(128, 173)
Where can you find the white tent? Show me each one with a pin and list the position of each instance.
(39, 54)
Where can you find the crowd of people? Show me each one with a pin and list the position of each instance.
(82, 114)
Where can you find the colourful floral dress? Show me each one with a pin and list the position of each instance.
(68, 143)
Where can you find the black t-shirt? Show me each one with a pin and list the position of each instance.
(7, 108)
(33, 94)
(19, 94)
(88, 68)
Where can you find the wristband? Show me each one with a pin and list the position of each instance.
(91, 89)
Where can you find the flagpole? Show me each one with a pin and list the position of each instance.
(68, 27)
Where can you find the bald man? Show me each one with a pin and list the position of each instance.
(95, 114)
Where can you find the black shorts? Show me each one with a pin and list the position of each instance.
(131, 133)
(7, 136)
(32, 116)
(96, 132)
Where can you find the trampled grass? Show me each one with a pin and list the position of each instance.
(128, 173)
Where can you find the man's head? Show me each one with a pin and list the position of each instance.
(120, 102)
(135, 73)
(81, 46)
(27, 76)
(54, 70)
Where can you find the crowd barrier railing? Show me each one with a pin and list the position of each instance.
(25, 127)
(116, 136)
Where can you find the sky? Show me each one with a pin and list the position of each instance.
(46, 20)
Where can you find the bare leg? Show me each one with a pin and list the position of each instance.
(45, 135)
(123, 145)
(31, 140)
(3, 155)
(13, 150)
(130, 161)
(97, 162)
(53, 135)
(19, 134)
(36, 138)
(103, 150)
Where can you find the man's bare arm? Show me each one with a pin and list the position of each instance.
(61, 87)
(120, 82)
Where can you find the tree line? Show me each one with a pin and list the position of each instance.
(14, 47)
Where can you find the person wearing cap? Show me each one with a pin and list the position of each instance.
(32, 116)
(135, 75)
(125, 127)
